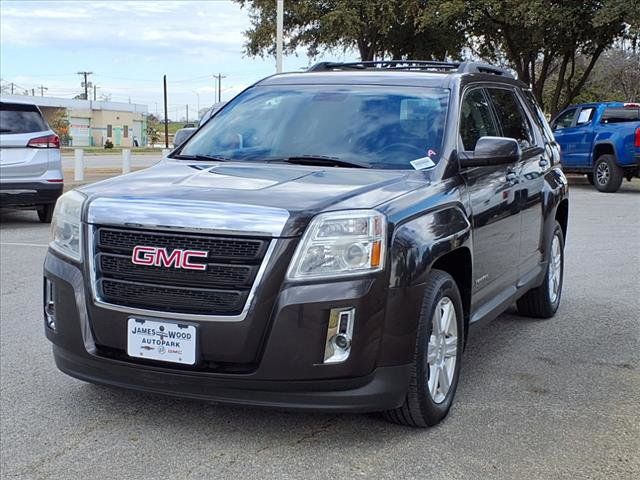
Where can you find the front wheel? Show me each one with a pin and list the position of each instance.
(607, 174)
(437, 355)
(543, 301)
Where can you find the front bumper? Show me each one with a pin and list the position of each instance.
(383, 389)
(287, 372)
(27, 194)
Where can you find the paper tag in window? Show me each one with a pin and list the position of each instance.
(422, 163)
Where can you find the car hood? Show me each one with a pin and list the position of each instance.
(255, 192)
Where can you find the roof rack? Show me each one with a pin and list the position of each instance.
(413, 65)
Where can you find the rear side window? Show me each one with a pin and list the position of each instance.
(620, 114)
(511, 116)
(475, 119)
(586, 114)
(16, 118)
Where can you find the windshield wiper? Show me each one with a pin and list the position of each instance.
(201, 157)
(316, 160)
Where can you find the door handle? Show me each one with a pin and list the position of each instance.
(511, 177)
(544, 163)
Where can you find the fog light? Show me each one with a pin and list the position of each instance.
(49, 305)
(339, 334)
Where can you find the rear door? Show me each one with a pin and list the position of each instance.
(517, 123)
(20, 124)
(582, 136)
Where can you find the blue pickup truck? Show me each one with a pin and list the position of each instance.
(601, 140)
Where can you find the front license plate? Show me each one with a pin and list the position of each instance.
(165, 341)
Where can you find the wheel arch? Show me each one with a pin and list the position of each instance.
(603, 148)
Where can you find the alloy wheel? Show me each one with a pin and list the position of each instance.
(442, 350)
(602, 173)
(555, 269)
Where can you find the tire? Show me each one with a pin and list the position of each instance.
(590, 178)
(607, 175)
(543, 301)
(421, 408)
(45, 213)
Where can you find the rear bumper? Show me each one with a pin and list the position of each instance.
(26, 194)
(383, 389)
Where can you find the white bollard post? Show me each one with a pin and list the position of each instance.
(78, 155)
(126, 160)
(165, 152)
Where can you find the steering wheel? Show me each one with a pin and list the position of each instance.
(406, 147)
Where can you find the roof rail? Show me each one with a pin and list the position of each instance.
(412, 65)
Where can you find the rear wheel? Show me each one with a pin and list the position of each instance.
(45, 213)
(607, 174)
(437, 355)
(543, 301)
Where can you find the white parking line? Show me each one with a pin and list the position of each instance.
(16, 244)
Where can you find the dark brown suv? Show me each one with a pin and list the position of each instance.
(323, 242)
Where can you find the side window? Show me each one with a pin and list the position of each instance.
(586, 114)
(564, 120)
(511, 116)
(125, 131)
(109, 131)
(475, 119)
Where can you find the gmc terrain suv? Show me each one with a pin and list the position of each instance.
(30, 163)
(324, 241)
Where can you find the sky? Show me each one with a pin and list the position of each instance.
(129, 46)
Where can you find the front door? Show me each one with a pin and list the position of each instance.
(517, 124)
(494, 206)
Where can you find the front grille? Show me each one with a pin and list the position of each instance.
(221, 289)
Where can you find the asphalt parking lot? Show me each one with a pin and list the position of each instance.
(537, 399)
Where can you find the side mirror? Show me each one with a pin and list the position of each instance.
(492, 151)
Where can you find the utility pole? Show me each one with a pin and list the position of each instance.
(166, 117)
(12, 85)
(219, 77)
(33, 92)
(187, 105)
(95, 87)
(42, 89)
(85, 84)
(279, 31)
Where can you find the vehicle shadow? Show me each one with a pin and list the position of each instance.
(285, 428)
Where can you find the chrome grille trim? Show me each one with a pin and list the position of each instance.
(91, 254)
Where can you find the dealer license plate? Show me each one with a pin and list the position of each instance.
(160, 340)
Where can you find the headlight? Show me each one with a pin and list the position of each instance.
(338, 244)
(65, 225)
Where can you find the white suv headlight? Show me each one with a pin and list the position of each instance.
(339, 244)
(65, 225)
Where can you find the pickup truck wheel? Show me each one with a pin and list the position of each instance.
(437, 355)
(543, 301)
(45, 213)
(607, 174)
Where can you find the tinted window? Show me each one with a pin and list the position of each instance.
(620, 114)
(511, 116)
(475, 119)
(379, 126)
(565, 120)
(538, 116)
(21, 119)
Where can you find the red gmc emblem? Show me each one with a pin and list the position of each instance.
(160, 257)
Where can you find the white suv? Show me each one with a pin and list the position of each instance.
(30, 164)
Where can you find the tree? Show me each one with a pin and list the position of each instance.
(58, 120)
(375, 28)
(544, 38)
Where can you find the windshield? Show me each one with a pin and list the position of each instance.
(374, 126)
